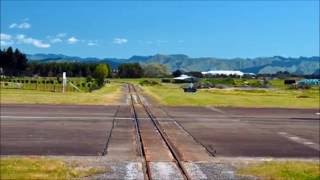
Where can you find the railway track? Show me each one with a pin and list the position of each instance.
(136, 103)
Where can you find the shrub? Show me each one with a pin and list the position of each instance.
(166, 80)
(303, 96)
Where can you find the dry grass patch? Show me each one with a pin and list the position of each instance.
(292, 170)
(43, 168)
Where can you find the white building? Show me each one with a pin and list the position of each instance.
(223, 72)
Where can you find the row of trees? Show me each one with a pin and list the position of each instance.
(12, 62)
(135, 70)
(15, 63)
(53, 69)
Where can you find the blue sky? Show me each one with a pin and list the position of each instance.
(198, 29)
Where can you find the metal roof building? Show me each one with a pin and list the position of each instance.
(223, 72)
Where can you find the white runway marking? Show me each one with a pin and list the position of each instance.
(317, 113)
(300, 140)
(216, 109)
(51, 117)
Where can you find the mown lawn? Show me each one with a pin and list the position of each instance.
(283, 170)
(108, 94)
(170, 94)
(43, 168)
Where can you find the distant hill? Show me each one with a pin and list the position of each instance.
(300, 65)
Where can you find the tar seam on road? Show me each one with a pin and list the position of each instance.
(104, 152)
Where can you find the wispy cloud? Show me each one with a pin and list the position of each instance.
(6, 39)
(120, 40)
(61, 35)
(28, 40)
(92, 44)
(72, 40)
(55, 40)
(24, 25)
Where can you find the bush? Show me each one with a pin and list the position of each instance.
(149, 83)
(166, 80)
(303, 96)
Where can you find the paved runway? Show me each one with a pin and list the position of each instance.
(228, 132)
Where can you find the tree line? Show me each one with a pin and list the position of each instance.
(15, 63)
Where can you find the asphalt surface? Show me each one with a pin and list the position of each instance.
(226, 132)
(55, 129)
(252, 132)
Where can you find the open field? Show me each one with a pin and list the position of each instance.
(75, 84)
(173, 95)
(42, 168)
(283, 170)
(108, 94)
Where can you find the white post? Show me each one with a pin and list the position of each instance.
(64, 81)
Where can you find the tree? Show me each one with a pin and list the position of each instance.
(177, 73)
(100, 72)
(130, 70)
(155, 70)
(13, 62)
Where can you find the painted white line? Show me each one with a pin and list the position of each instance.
(50, 117)
(318, 113)
(300, 140)
(215, 109)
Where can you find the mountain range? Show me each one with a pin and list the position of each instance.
(260, 65)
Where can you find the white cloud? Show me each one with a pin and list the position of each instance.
(13, 25)
(5, 37)
(61, 35)
(28, 40)
(6, 43)
(55, 40)
(120, 40)
(23, 25)
(72, 40)
(92, 44)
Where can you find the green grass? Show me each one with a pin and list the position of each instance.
(170, 94)
(108, 94)
(42, 168)
(283, 170)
